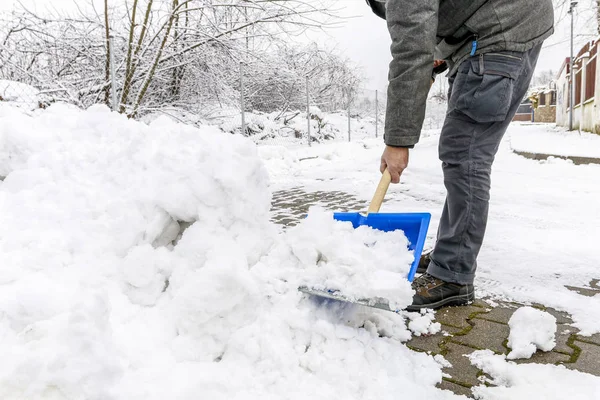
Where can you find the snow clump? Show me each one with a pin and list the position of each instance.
(530, 329)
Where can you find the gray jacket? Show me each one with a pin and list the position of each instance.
(450, 30)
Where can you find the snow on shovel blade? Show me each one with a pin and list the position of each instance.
(414, 226)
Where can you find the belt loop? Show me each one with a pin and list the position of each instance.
(481, 65)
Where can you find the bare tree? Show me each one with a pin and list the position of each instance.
(181, 54)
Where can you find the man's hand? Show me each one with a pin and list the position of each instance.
(395, 159)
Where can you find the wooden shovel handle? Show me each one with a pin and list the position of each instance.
(380, 192)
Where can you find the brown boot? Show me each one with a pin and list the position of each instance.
(434, 293)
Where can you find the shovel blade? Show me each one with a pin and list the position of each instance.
(375, 302)
(414, 226)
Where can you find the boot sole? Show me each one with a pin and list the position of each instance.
(459, 300)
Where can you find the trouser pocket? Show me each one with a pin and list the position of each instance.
(483, 88)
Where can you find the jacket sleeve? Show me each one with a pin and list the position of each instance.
(413, 28)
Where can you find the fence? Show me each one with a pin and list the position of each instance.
(289, 112)
(303, 115)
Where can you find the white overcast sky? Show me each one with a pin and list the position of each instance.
(364, 38)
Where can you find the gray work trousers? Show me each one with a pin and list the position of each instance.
(483, 98)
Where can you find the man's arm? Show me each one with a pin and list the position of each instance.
(413, 27)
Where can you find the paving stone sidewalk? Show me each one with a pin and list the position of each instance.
(464, 329)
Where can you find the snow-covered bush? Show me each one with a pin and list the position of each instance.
(19, 94)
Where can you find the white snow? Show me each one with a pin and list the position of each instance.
(532, 381)
(554, 140)
(19, 94)
(103, 296)
(442, 361)
(422, 324)
(363, 263)
(530, 329)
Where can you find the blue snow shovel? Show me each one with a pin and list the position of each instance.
(414, 226)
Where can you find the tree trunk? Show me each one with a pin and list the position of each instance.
(150, 75)
(129, 61)
(128, 82)
(178, 72)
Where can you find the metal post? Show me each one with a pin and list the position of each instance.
(242, 106)
(376, 113)
(113, 76)
(572, 74)
(349, 133)
(308, 110)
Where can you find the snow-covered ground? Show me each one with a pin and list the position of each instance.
(543, 226)
(542, 234)
(531, 381)
(104, 296)
(291, 128)
(554, 140)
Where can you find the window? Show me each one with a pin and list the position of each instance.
(542, 97)
(590, 79)
(524, 109)
(553, 98)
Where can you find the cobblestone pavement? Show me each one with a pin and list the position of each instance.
(290, 206)
(464, 329)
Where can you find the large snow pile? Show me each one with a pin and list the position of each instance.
(530, 329)
(531, 381)
(103, 296)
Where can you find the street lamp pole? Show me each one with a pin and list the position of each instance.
(572, 71)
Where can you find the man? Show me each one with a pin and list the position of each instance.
(491, 48)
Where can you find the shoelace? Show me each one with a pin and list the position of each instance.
(423, 281)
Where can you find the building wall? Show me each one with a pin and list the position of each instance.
(596, 105)
(522, 117)
(586, 114)
(545, 114)
(523, 112)
(588, 117)
(562, 98)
